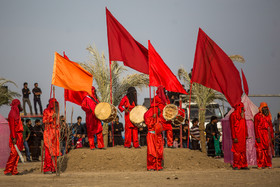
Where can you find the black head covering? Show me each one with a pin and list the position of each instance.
(132, 97)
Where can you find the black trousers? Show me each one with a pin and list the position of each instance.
(40, 105)
(195, 145)
(118, 140)
(211, 147)
(143, 140)
(36, 149)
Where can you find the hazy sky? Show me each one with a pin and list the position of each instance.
(31, 31)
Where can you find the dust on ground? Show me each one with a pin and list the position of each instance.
(127, 167)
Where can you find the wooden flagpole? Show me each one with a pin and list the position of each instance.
(189, 113)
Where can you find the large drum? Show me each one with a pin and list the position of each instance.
(172, 113)
(105, 112)
(136, 116)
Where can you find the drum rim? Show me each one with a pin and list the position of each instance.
(175, 115)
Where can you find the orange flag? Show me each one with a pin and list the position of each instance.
(70, 75)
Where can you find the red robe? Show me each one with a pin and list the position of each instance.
(154, 139)
(239, 132)
(167, 127)
(131, 131)
(94, 125)
(16, 130)
(51, 137)
(263, 131)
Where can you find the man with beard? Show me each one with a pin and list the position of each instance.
(264, 136)
(154, 137)
(128, 102)
(51, 136)
(162, 100)
(16, 139)
(239, 135)
(37, 133)
(94, 126)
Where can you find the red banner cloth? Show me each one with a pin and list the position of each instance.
(74, 96)
(214, 69)
(160, 74)
(123, 47)
(245, 84)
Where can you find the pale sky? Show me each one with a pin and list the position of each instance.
(32, 30)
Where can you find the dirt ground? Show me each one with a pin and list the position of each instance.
(119, 166)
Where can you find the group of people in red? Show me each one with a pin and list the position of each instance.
(263, 134)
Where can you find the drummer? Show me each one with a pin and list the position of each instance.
(162, 100)
(128, 102)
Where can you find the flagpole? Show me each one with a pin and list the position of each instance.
(181, 128)
(51, 91)
(111, 84)
(189, 114)
(150, 95)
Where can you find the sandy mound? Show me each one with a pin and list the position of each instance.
(121, 159)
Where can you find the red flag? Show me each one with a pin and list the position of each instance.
(245, 84)
(214, 69)
(74, 96)
(123, 47)
(160, 74)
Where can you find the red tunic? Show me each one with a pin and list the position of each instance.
(93, 124)
(123, 105)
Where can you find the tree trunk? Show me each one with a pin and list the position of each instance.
(201, 115)
(105, 134)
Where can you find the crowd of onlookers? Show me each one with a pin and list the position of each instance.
(36, 98)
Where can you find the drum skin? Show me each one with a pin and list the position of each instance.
(105, 112)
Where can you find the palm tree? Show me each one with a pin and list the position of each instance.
(202, 96)
(98, 67)
(6, 95)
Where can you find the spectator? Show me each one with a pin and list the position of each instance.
(37, 133)
(26, 136)
(176, 142)
(276, 125)
(211, 132)
(64, 135)
(143, 135)
(25, 98)
(185, 135)
(118, 129)
(79, 131)
(195, 134)
(37, 98)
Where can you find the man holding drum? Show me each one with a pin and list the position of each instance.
(94, 126)
(128, 102)
(161, 100)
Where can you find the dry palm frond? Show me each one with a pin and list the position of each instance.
(99, 68)
(6, 95)
(237, 58)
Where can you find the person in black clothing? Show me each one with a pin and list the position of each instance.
(37, 134)
(37, 98)
(79, 131)
(185, 135)
(118, 128)
(25, 98)
(143, 135)
(211, 131)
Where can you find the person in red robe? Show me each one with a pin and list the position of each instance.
(239, 135)
(16, 138)
(154, 138)
(51, 136)
(128, 102)
(162, 100)
(93, 124)
(264, 136)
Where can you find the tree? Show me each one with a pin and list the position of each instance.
(99, 68)
(6, 95)
(202, 96)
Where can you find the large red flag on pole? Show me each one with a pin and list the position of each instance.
(123, 47)
(245, 84)
(214, 69)
(160, 74)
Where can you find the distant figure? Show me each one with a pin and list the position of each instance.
(211, 132)
(176, 142)
(26, 136)
(16, 130)
(37, 133)
(264, 137)
(37, 98)
(143, 135)
(118, 128)
(25, 98)
(195, 134)
(276, 124)
(79, 131)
